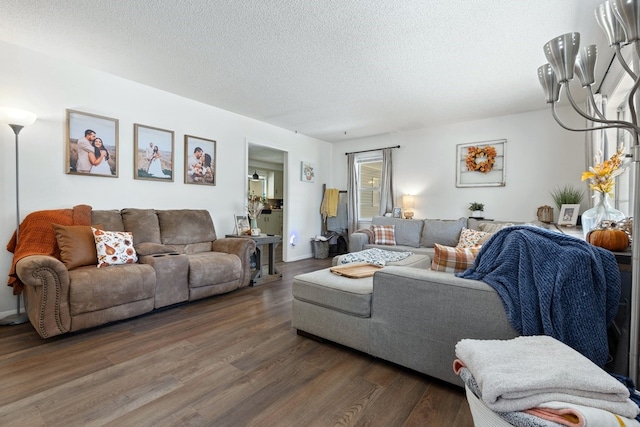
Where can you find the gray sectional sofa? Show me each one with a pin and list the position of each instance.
(405, 315)
(180, 258)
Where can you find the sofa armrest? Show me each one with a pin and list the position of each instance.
(420, 315)
(357, 241)
(243, 248)
(46, 294)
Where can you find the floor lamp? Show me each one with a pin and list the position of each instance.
(16, 119)
(620, 21)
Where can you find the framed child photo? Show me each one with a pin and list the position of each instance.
(199, 160)
(153, 157)
(91, 145)
(569, 215)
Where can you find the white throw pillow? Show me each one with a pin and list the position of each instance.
(114, 247)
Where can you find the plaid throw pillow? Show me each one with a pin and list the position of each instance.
(470, 238)
(384, 234)
(453, 260)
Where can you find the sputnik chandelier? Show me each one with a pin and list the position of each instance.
(620, 20)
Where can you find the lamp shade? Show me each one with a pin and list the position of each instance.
(549, 83)
(609, 24)
(586, 65)
(627, 13)
(561, 53)
(14, 116)
(408, 202)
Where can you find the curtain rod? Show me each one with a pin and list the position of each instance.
(366, 151)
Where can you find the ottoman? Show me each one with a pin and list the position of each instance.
(338, 308)
(334, 307)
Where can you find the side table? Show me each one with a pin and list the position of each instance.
(258, 277)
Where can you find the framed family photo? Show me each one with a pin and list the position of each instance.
(481, 164)
(91, 145)
(569, 214)
(199, 160)
(153, 157)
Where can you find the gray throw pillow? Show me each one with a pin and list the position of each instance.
(442, 231)
(407, 231)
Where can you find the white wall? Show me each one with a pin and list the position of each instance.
(48, 86)
(540, 156)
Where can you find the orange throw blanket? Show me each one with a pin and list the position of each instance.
(38, 238)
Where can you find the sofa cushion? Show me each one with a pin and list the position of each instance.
(143, 224)
(114, 247)
(184, 226)
(92, 289)
(77, 246)
(407, 231)
(453, 260)
(110, 219)
(470, 238)
(443, 232)
(384, 234)
(213, 268)
(492, 227)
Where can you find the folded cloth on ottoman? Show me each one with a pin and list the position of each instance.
(374, 256)
(522, 373)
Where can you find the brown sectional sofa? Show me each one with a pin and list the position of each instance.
(180, 259)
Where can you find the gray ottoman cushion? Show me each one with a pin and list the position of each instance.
(323, 288)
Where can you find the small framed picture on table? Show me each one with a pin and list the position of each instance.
(569, 215)
(397, 212)
(242, 225)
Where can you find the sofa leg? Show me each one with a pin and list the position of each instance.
(310, 336)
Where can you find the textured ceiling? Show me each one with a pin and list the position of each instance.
(334, 70)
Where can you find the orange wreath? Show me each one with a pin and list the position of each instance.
(480, 159)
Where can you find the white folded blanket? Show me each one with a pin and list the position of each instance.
(522, 373)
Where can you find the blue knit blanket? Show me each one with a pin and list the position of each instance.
(552, 284)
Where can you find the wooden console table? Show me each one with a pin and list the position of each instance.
(258, 277)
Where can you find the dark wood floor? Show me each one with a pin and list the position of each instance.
(230, 360)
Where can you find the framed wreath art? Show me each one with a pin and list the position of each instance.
(481, 164)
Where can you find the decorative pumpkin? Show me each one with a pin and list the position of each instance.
(614, 240)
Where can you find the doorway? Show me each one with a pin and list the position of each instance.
(267, 176)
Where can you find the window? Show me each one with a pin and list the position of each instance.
(369, 178)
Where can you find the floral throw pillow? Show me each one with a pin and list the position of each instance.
(453, 260)
(384, 234)
(114, 247)
(470, 238)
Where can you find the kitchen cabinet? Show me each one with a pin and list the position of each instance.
(271, 223)
(278, 186)
(275, 185)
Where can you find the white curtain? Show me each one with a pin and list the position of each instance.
(352, 193)
(386, 183)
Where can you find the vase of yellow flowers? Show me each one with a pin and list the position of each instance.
(602, 180)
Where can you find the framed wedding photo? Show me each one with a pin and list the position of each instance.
(153, 157)
(91, 145)
(569, 215)
(199, 160)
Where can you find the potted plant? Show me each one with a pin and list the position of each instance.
(567, 195)
(476, 209)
